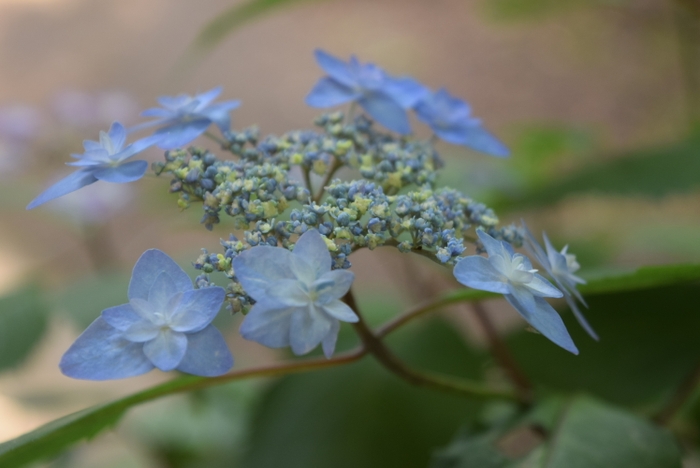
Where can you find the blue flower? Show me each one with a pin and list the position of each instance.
(297, 295)
(450, 119)
(512, 275)
(166, 324)
(102, 160)
(561, 266)
(383, 97)
(183, 118)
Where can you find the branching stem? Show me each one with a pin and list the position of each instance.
(682, 394)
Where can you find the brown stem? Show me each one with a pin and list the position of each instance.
(326, 180)
(502, 354)
(682, 394)
(390, 361)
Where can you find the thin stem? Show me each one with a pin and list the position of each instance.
(326, 180)
(351, 113)
(390, 361)
(682, 394)
(224, 144)
(502, 354)
(307, 179)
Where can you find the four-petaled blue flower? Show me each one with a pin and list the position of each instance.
(561, 266)
(183, 118)
(297, 295)
(512, 275)
(166, 324)
(383, 97)
(450, 119)
(102, 160)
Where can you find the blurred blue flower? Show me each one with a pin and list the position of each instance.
(183, 118)
(102, 160)
(561, 266)
(450, 119)
(383, 97)
(297, 295)
(166, 324)
(512, 275)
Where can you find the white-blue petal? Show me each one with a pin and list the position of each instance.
(406, 91)
(123, 173)
(219, 114)
(478, 138)
(196, 309)
(330, 339)
(523, 296)
(71, 183)
(142, 331)
(207, 97)
(117, 133)
(312, 248)
(543, 288)
(333, 285)
(166, 350)
(101, 353)
(580, 318)
(547, 321)
(256, 268)
(207, 354)
(121, 317)
(268, 324)
(152, 263)
(180, 134)
(308, 327)
(328, 93)
(385, 110)
(478, 273)
(289, 293)
(161, 291)
(335, 67)
(341, 311)
(493, 247)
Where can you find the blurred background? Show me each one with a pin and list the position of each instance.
(598, 99)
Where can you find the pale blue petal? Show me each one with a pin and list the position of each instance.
(479, 139)
(197, 308)
(303, 270)
(123, 173)
(207, 354)
(333, 285)
(545, 320)
(101, 353)
(535, 249)
(256, 268)
(312, 248)
(493, 247)
(523, 296)
(341, 311)
(162, 290)
(166, 350)
(157, 112)
(406, 91)
(288, 293)
(140, 145)
(329, 93)
(543, 288)
(580, 318)
(121, 317)
(337, 69)
(308, 327)
(330, 339)
(478, 273)
(219, 114)
(180, 134)
(149, 266)
(142, 331)
(71, 183)
(268, 324)
(117, 133)
(90, 145)
(174, 102)
(385, 110)
(207, 97)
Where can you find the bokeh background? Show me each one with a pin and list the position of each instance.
(598, 100)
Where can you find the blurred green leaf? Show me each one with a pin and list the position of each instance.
(362, 416)
(23, 321)
(648, 344)
(536, 9)
(651, 172)
(236, 16)
(588, 434)
(84, 300)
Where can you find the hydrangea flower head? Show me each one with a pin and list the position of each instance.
(103, 160)
(512, 275)
(450, 119)
(183, 118)
(166, 324)
(561, 266)
(383, 97)
(297, 295)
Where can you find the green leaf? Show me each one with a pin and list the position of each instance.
(363, 416)
(84, 300)
(588, 434)
(652, 172)
(233, 18)
(23, 320)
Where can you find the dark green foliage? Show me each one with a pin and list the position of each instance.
(23, 321)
